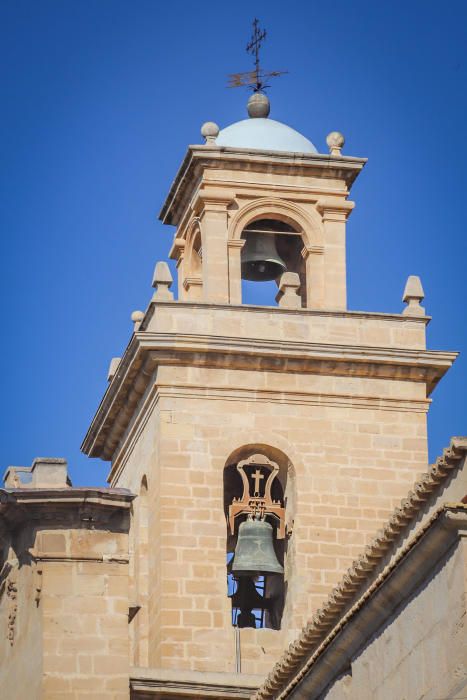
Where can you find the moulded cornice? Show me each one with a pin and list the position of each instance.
(148, 350)
(198, 158)
(163, 684)
(61, 504)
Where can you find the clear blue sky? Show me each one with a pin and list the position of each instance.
(99, 101)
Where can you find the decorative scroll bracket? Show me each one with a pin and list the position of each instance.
(253, 503)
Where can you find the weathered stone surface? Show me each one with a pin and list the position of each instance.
(67, 620)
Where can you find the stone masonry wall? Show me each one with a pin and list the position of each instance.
(356, 446)
(85, 614)
(64, 594)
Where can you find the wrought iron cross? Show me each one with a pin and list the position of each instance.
(256, 79)
(254, 46)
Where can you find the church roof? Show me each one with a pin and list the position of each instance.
(264, 134)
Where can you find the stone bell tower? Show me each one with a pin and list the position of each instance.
(305, 415)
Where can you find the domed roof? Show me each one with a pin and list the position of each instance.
(264, 134)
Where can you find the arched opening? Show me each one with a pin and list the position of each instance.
(192, 271)
(272, 246)
(256, 492)
(196, 255)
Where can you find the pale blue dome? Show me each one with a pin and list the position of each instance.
(265, 135)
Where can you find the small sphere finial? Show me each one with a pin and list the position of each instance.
(258, 106)
(137, 317)
(210, 131)
(335, 141)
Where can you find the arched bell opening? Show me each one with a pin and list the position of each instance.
(256, 544)
(193, 266)
(272, 246)
(196, 257)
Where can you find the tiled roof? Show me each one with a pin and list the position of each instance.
(361, 571)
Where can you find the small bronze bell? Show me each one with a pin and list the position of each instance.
(260, 260)
(254, 553)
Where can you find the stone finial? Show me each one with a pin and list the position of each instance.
(113, 367)
(413, 295)
(287, 297)
(162, 281)
(210, 131)
(137, 317)
(335, 141)
(258, 106)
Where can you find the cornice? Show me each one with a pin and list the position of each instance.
(148, 350)
(329, 620)
(59, 505)
(198, 158)
(164, 684)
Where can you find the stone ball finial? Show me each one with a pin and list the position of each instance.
(335, 140)
(137, 317)
(210, 131)
(258, 106)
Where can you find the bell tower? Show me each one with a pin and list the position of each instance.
(265, 444)
(258, 195)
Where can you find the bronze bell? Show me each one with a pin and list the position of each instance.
(254, 553)
(260, 260)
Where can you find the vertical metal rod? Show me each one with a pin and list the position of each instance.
(238, 651)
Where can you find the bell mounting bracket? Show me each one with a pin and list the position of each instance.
(252, 502)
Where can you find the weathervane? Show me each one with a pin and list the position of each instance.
(256, 80)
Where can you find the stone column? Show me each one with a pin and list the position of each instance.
(235, 271)
(178, 253)
(314, 270)
(334, 213)
(213, 222)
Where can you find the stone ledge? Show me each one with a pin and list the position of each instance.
(62, 505)
(254, 308)
(173, 685)
(148, 350)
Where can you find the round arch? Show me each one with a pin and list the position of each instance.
(309, 224)
(283, 455)
(193, 235)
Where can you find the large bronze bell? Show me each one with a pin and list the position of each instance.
(254, 553)
(260, 260)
